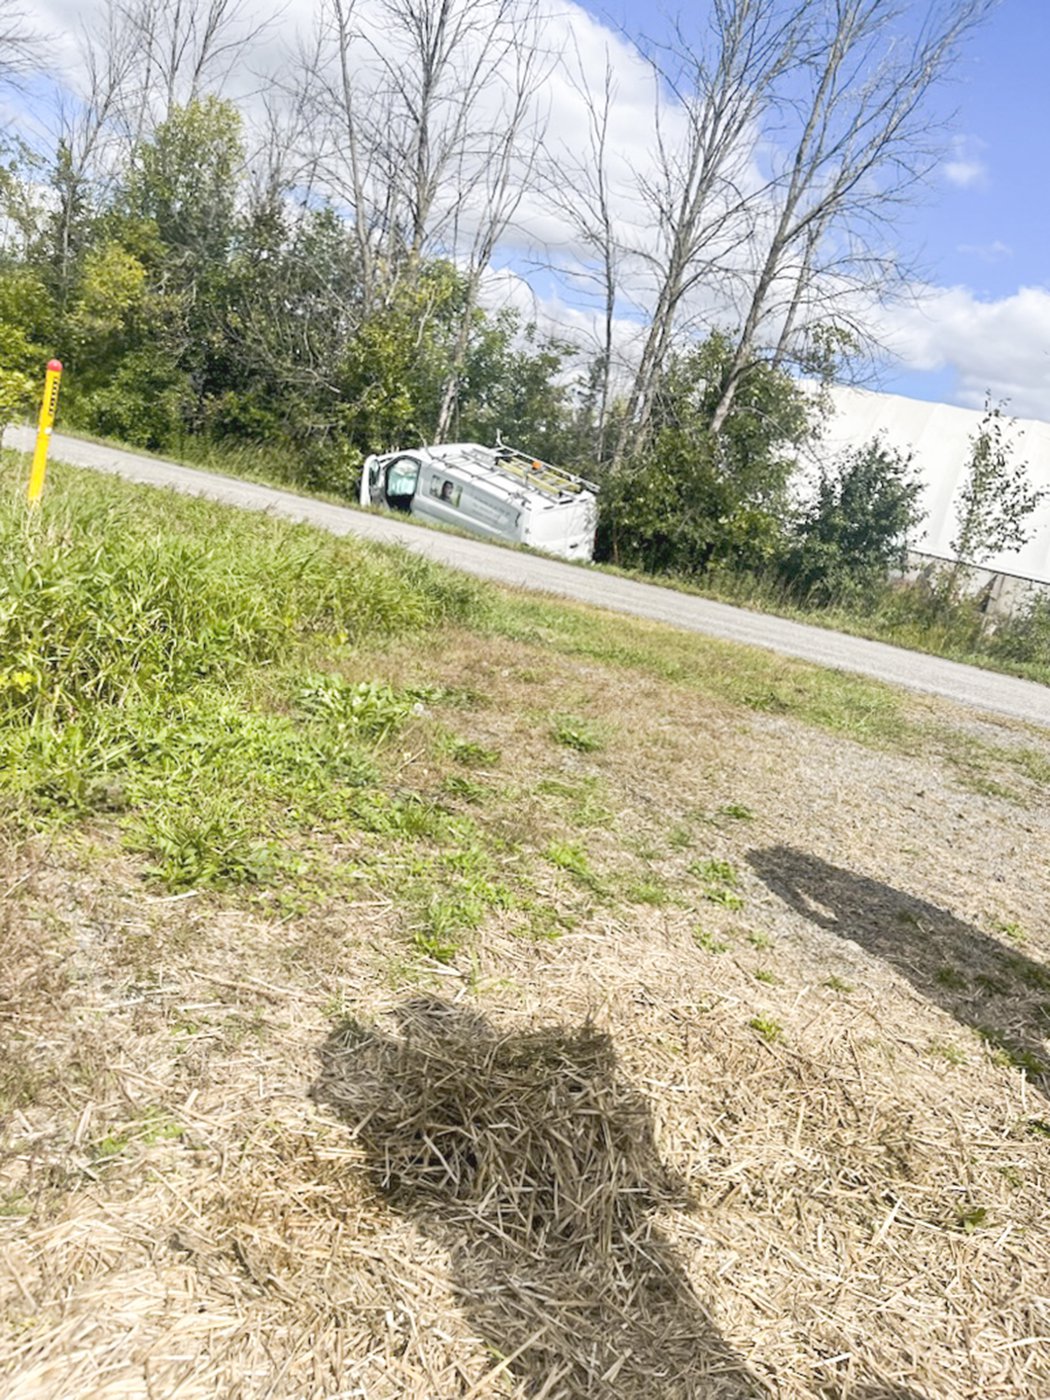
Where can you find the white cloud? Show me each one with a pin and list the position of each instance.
(965, 166)
(1001, 346)
(964, 172)
(992, 252)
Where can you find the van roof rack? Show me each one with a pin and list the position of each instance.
(524, 467)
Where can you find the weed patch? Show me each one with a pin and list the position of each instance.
(708, 942)
(572, 858)
(575, 733)
(719, 881)
(771, 1031)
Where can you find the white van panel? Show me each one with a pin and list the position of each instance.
(443, 495)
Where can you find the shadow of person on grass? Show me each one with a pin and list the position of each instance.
(1001, 993)
(533, 1163)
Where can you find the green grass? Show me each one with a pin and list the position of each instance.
(180, 670)
(575, 733)
(469, 753)
(568, 856)
(706, 940)
(770, 1030)
(194, 680)
(647, 889)
(718, 872)
(754, 679)
(582, 800)
(110, 595)
(869, 712)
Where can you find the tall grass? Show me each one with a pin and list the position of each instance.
(909, 615)
(159, 660)
(107, 594)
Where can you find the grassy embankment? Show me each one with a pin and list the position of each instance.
(261, 788)
(901, 616)
(196, 673)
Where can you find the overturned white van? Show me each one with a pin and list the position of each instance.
(497, 491)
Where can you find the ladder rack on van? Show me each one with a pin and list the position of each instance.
(523, 468)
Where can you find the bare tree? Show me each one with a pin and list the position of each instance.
(454, 70)
(139, 59)
(721, 86)
(91, 141)
(581, 186)
(424, 133)
(20, 44)
(336, 90)
(863, 145)
(496, 169)
(182, 49)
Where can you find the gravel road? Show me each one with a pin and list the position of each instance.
(985, 690)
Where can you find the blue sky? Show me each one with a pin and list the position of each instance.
(991, 232)
(984, 226)
(981, 234)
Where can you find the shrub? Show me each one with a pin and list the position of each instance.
(1025, 638)
(857, 526)
(696, 501)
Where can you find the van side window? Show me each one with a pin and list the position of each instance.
(401, 478)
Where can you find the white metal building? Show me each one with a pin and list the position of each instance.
(939, 436)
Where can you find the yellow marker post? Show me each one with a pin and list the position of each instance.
(43, 433)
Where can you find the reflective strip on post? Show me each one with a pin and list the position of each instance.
(48, 408)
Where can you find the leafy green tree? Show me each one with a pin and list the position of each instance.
(514, 385)
(109, 301)
(25, 308)
(178, 216)
(27, 318)
(856, 527)
(696, 501)
(184, 181)
(293, 304)
(996, 500)
(396, 363)
(146, 400)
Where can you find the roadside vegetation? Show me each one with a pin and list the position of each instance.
(254, 299)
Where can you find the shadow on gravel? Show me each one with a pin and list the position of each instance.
(530, 1160)
(1002, 994)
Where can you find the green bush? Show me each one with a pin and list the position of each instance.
(694, 502)
(1025, 638)
(145, 402)
(16, 396)
(856, 528)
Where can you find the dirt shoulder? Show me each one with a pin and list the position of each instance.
(642, 1042)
